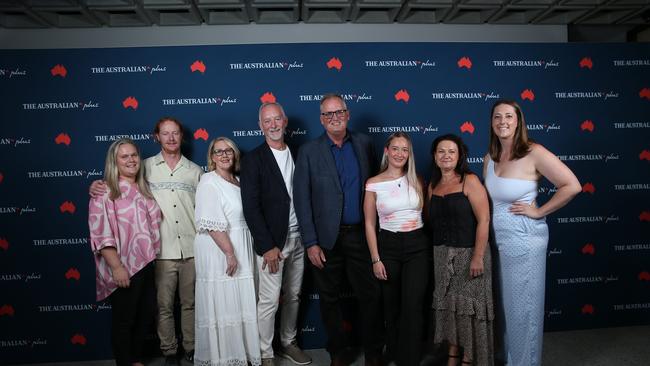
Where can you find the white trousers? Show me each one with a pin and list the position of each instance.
(288, 280)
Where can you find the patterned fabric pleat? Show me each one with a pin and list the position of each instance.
(464, 305)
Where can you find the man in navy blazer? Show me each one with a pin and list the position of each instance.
(329, 184)
(267, 189)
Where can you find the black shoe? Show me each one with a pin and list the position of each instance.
(189, 356)
(171, 360)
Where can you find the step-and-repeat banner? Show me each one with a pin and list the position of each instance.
(589, 104)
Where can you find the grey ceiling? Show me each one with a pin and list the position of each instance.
(129, 13)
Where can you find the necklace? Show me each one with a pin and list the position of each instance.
(228, 179)
(399, 180)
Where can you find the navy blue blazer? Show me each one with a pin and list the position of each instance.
(317, 193)
(265, 199)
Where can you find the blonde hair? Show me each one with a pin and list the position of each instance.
(212, 165)
(112, 174)
(411, 174)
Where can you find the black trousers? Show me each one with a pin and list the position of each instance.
(407, 263)
(350, 259)
(134, 308)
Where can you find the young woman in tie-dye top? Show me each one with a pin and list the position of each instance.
(125, 238)
(400, 249)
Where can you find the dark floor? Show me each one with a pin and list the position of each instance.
(625, 346)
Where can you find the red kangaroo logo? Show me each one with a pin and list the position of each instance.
(645, 93)
(644, 216)
(78, 339)
(528, 94)
(4, 244)
(587, 125)
(267, 97)
(465, 62)
(645, 155)
(199, 66)
(130, 102)
(7, 310)
(67, 206)
(72, 273)
(586, 62)
(589, 188)
(402, 95)
(2, 177)
(467, 126)
(589, 249)
(59, 70)
(201, 133)
(63, 138)
(334, 63)
(644, 276)
(588, 309)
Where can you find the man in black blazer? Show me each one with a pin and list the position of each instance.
(329, 181)
(267, 188)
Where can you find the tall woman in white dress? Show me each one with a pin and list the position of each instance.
(226, 318)
(512, 168)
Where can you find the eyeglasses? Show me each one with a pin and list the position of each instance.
(329, 115)
(227, 151)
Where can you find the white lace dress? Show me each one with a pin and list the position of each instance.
(226, 331)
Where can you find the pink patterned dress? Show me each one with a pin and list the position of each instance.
(130, 224)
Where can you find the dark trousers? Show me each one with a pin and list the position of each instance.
(405, 258)
(350, 258)
(133, 315)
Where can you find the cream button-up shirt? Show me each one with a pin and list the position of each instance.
(174, 192)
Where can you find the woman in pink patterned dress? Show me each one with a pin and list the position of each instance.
(125, 239)
(400, 250)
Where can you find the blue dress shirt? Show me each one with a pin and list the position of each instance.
(347, 166)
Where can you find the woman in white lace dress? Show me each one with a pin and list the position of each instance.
(226, 320)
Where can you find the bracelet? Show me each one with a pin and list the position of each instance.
(376, 260)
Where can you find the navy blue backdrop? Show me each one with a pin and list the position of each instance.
(589, 104)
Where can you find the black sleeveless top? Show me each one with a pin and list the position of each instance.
(452, 220)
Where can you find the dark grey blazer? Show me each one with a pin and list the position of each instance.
(317, 194)
(265, 199)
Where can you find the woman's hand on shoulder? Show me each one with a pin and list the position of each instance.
(97, 189)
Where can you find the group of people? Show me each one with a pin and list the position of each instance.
(233, 242)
